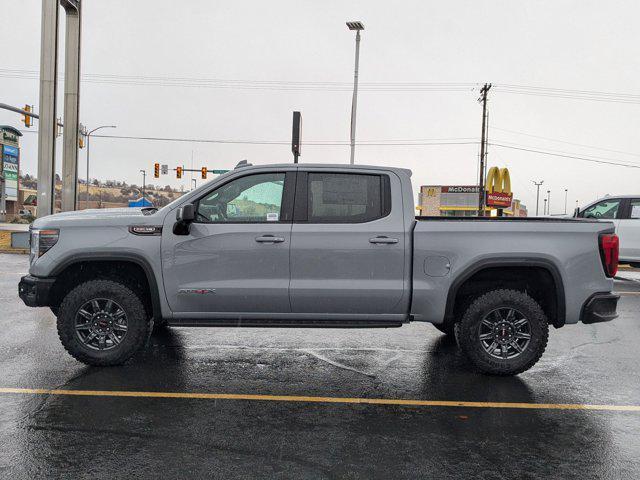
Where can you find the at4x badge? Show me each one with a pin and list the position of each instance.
(196, 291)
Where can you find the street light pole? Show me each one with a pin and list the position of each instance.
(544, 209)
(548, 202)
(357, 26)
(565, 200)
(86, 204)
(195, 183)
(144, 178)
(537, 184)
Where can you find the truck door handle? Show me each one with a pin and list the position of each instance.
(269, 239)
(382, 239)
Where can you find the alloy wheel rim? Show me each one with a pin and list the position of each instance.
(504, 333)
(101, 324)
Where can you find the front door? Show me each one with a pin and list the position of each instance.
(347, 245)
(235, 258)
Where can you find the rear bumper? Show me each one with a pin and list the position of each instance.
(34, 291)
(600, 307)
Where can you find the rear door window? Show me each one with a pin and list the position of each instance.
(346, 198)
(634, 208)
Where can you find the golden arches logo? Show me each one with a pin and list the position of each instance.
(498, 180)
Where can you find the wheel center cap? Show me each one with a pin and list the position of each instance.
(503, 332)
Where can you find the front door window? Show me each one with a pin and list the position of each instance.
(250, 199)
(606, 209)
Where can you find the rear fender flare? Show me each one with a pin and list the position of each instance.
(525, 262)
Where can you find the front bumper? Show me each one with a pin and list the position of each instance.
(600, 307)
(34, 291)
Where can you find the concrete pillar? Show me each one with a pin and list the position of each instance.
(71, 106)
(48, 95)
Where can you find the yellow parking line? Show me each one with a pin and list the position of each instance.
(310, 399)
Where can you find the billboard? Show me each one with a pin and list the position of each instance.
(10, 171)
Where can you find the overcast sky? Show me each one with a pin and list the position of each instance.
(574, 45)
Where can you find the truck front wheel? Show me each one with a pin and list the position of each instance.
(102, 323)
(503, 332)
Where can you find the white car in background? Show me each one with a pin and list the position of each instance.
(624, 211)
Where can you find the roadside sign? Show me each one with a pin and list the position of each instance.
(499, 199)
(164, 169)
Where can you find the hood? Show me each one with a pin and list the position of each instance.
(101, 212)
(104, 216)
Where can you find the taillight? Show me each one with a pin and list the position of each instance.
(609, 247)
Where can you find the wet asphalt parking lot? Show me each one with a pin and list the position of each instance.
(282, 433)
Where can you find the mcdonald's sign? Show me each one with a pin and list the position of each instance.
(498, 189)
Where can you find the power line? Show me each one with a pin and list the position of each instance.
(567, 142)
(562, 152)
(572, 94)
(381, 143)
(333, 86)
(248, 84)
(571, 91)
(562, 155)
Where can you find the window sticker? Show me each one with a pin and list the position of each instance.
(272, 217)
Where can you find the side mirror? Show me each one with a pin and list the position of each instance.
(186, 213)
(184, 216)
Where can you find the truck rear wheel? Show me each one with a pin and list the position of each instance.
(503, 332)
(102, 323)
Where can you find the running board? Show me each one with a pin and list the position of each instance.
(288, 323)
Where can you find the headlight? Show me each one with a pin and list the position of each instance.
(41, 242)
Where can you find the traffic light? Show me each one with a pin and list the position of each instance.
(81, 141)
(156, 170)
(204, 173)
(26, 119)
(178, 172)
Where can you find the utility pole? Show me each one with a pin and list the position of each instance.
(548, 202)
(537, 184)
(483, 148)
(357, 26)
(144, 178)
(565, 200)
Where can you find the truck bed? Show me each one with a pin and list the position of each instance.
(450, 249)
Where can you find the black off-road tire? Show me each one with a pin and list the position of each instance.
(138, 324)
(160, 324)
(448, 328)
(467, 332)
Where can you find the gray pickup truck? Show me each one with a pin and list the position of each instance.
(317, 246)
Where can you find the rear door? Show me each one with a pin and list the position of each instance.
(347, 244)
(628, 230)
